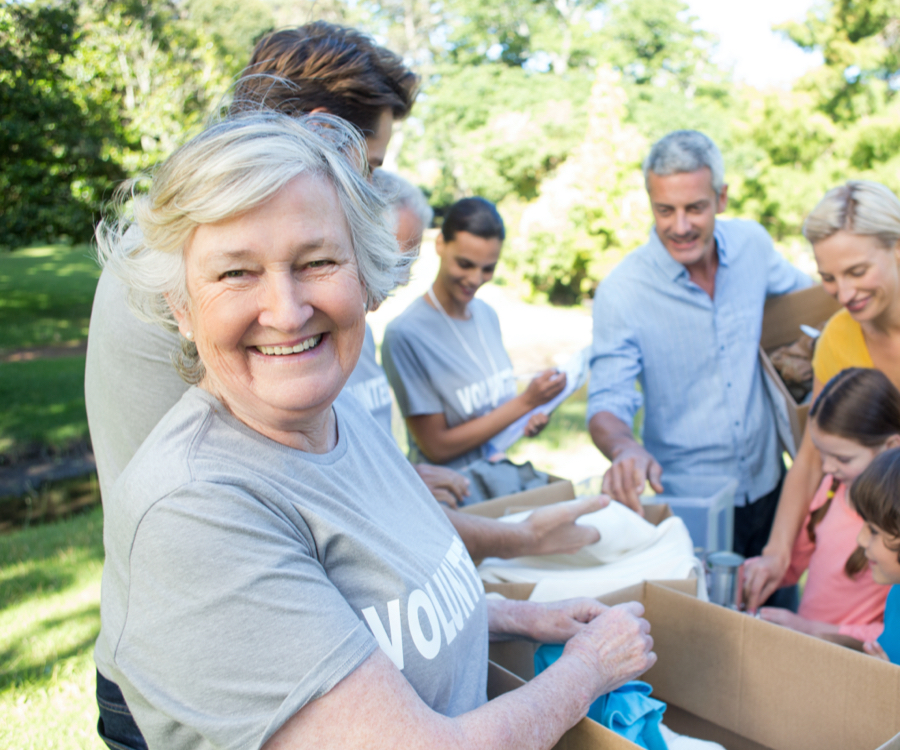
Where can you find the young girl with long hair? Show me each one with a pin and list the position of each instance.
(855, 418)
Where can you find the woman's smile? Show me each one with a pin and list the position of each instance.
(282, 350)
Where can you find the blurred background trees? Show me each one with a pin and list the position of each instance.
(544, 106)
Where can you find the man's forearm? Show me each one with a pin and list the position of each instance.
(610, 434)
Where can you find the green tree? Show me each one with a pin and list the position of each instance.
(54, 167)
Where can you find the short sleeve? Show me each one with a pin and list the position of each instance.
(840, 346)
(781, 276)
(232, 624)
(615, 361)
(408, 375)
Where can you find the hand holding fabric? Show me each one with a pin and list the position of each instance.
(616, 647)
(553, 529)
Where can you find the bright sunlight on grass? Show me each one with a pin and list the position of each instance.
(45, 295)
(49, 619)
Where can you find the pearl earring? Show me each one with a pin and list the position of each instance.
(189, 335)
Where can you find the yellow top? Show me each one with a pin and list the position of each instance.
(840, 346)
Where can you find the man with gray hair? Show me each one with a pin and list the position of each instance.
(682, 315)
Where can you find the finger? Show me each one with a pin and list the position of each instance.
(612, 482)
(633, 489)
(442, 496)
(585, 505)
(654, 474)
(635, 608)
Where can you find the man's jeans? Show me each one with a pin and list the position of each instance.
(116, 726)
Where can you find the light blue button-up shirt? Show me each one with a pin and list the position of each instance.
(707, 410)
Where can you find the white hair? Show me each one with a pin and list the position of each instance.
(858, 207)
(685, 151)
(401, 194)
(225, 171)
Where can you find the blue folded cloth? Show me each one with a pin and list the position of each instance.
(628, 711)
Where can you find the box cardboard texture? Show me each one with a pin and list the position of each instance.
(782, 318)
(748, 684)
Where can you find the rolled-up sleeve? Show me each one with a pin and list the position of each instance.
(615, 359)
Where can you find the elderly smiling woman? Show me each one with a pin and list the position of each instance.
(274, 576)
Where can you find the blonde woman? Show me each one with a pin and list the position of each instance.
(855, 234)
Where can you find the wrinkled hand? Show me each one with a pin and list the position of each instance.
(762, 576)
(556, 622)
(546, 386)
(616, 646)
(873, 648)
(788, 619)
(536, 423)
(448, 486)
(624, 480)
(552, 530)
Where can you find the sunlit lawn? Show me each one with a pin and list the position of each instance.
(43, 402)
(49, 619)
(45, 295)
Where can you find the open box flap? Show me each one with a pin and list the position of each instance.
(776, 687)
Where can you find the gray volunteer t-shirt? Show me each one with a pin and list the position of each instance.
(431, 372)
(244, 579)
(368, 383)
(129, 379)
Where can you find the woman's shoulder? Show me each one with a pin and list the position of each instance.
(840, 346)
(411, 321)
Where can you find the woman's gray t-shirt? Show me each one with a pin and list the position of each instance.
(431, 371)
(244, 579)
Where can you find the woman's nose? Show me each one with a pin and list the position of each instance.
(283, 306)
(845, 291)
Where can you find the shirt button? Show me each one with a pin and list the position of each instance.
(721, 348)
(729, 385)
(736, 424)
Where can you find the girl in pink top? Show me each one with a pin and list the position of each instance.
(855, 417)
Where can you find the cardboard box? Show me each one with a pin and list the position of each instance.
(746, 683)
(782, 318)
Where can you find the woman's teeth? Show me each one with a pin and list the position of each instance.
(301, 347)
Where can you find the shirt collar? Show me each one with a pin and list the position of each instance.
(671, 267)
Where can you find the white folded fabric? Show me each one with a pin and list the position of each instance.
(676, 741)
(632, 551)
(622, 531)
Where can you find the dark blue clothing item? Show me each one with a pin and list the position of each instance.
(116, 725)
(628, 711)
(889, 640)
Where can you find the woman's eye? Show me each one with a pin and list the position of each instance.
(318, 263)
(857, 272)
(232, 274)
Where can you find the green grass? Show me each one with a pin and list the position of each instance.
(45, 295)
(49, 619)
(43, 402)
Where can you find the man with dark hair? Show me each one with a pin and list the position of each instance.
(322, 67)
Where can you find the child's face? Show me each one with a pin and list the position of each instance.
(881, 551)
(842, 458)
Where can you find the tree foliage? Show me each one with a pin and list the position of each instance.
(53, 167)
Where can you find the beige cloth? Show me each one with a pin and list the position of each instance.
(630, 550)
